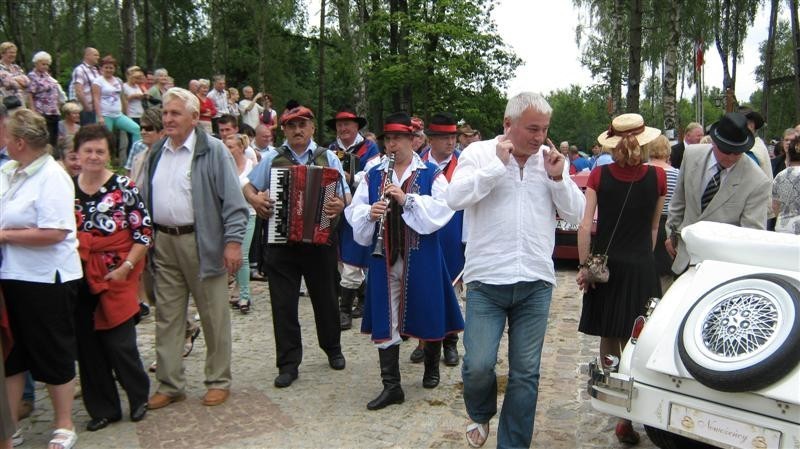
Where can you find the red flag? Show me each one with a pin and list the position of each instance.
(698, 51)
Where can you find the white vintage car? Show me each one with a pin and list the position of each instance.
(716, 361)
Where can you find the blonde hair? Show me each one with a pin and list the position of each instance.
(628, 152)
(705, 139)
(242, 139)
(70, 107)
(658, 148)
(133, 70)
(29, 126)
(203, 82)
(5, 46)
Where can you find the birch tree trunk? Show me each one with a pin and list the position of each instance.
(769, 55)
(670, 67)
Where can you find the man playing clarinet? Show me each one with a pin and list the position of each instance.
(287, 262)
(408, 287)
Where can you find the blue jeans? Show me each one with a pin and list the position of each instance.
(243, 274)
(526, 305)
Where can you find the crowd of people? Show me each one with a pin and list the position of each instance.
(419, 213)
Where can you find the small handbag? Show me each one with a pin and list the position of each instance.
(597, 264)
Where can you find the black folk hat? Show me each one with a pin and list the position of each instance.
(731, 134)
(397, 123)
(442, 124)
(346, 113)
(754, 116)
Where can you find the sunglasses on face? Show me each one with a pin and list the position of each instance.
(148, 128)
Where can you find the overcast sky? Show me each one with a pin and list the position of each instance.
(544, 38)
(551, 58)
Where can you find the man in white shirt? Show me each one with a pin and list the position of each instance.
(510, 188)
(249, 107)
(200, 218)
(219, 95)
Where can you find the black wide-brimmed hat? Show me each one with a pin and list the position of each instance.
(755, 116)
(346, 113)
(731, 133)
(397, 123)
(442, 124)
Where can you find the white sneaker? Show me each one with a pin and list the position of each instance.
(17, 438)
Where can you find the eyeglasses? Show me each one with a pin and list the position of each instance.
(148, 128)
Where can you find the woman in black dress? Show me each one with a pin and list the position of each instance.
(628, 196)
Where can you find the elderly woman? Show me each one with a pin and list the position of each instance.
(207, 108)
(12, 79)
(114, 231)
(40, 271)
(628, 197)
(786, 191)
(782, 149)
(109, 101)
(659, 150)
(70, 161)
(159, 88)
(71, 112)
(44, 93)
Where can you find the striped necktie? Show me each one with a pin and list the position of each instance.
(711, 189)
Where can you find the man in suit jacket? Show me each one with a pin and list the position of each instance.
(691, 135)
(732, 188)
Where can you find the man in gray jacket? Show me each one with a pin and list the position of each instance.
(199, 217)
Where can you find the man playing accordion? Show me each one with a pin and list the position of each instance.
(287, 262)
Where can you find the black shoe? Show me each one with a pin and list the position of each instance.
(137, 414)
(336, 361)
(99, 423)
(450, 356)
(417, 355)
(285, 379)
(144, 310)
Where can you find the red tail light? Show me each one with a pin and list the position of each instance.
(638, 326)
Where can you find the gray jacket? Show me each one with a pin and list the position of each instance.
(220, 211)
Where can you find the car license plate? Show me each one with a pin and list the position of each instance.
(732, 433)
(564, 226)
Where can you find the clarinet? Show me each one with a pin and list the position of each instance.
(378, 252)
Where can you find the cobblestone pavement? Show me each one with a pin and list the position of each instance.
(326, 408)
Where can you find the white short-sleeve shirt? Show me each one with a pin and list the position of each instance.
(41, 196)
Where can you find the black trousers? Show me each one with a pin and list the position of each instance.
(104, 355)
(285, 264)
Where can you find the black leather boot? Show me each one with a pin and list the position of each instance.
(358, 310)
(450, 348)
(433, 350)
(390, 375)
(346, 308)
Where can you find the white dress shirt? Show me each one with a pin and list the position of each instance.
(422, 213)
(172, 186)
(510, 214)
(711, 170)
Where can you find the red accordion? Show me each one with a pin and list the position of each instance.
(300, 192)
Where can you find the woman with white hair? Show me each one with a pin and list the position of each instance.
(44, 93)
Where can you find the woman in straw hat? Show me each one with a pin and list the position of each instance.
(628, 197)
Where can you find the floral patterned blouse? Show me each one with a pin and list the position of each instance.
(45, 92)
(9, 87)
(116, 207)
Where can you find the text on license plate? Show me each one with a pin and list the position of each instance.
(564, 226)
(690, 421)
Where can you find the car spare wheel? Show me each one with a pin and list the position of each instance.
(744, 334)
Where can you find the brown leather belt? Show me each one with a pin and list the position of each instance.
(174, 230)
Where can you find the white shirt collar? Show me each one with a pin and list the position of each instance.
(358, 140)
(189, 143)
